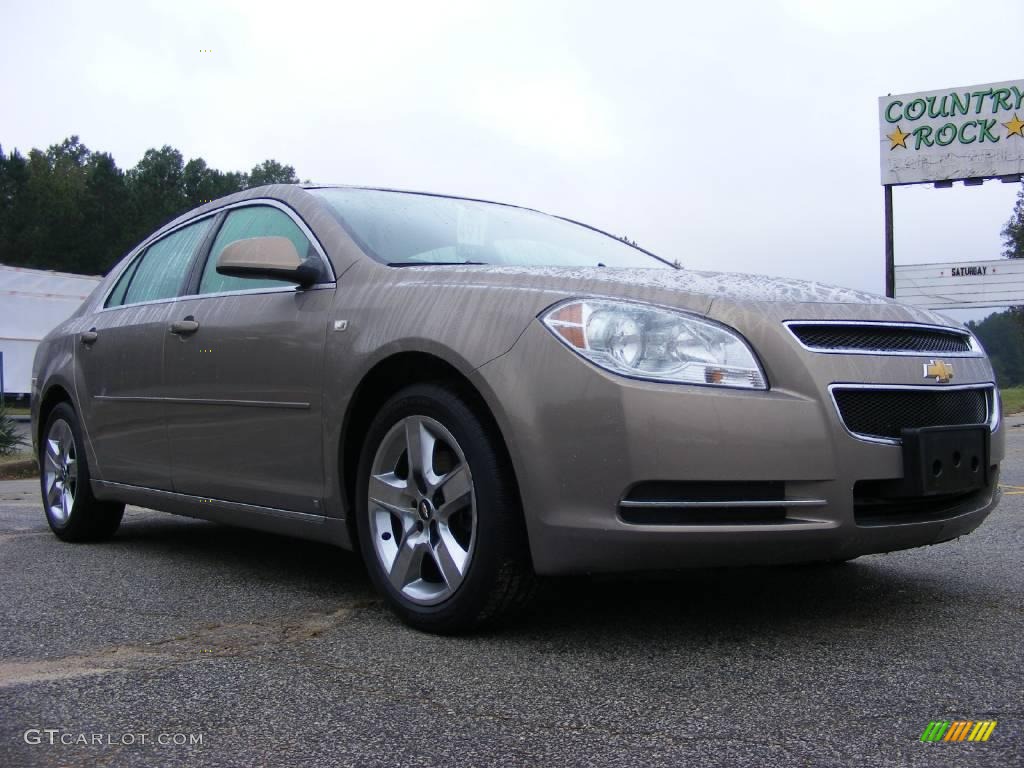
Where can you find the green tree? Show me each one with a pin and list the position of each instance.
(203, 184)
(157, 188)
(1000, 334)
(55, 192)
(14, 210)
(107, 208)
(271, 172)
(1013, 232)
(68, 208)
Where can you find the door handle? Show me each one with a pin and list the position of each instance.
(184, 327)
(89, 337)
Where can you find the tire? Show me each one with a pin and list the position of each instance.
(73, 513)
(445, 542)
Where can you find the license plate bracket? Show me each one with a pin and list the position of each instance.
(946, 460)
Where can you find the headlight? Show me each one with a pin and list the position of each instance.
(648, 342)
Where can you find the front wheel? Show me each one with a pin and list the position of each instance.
(72, 512)
(438, 517)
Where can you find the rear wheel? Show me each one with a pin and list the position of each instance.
(72, 512)
(438, 517)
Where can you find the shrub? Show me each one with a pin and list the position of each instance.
(10, 438)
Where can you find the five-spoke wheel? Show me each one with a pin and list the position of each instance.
(72, 511)
(438, 515)
(59, 471)
(422, 509)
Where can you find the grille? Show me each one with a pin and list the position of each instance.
(830, 337)
(684, 516)
(885, 413)
(873, 506)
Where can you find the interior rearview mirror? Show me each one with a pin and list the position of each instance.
(267, 257)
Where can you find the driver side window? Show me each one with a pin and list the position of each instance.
(243, 223)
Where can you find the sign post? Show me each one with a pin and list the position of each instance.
(890, 250)
(956, 134)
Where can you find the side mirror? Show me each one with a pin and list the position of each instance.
(267, 257)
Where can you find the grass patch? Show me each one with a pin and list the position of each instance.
(18, 466)
(12, 411)
(1013, 400)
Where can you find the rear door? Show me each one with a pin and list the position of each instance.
(245, 385)
(119, 362)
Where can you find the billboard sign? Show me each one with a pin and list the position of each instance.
(961, 285)
(955, 133)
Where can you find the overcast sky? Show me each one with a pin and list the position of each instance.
(736, 136)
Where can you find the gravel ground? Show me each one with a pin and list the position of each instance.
(257, 650)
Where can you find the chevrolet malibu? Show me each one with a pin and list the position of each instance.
(471, 394)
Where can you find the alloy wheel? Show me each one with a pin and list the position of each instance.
(60, 471)
(422, 510)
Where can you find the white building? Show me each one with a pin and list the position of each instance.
(32, 303)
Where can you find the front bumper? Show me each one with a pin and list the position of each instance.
(581, 438)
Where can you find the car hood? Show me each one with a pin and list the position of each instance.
(717, 294)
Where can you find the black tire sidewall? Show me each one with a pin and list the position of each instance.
(496, 504)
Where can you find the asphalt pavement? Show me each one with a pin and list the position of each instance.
(182, 642)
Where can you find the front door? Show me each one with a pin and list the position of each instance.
(243, 378)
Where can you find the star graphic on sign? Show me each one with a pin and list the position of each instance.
(898, 138)
(1014, 127)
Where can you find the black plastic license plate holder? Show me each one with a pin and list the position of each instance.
(946, 460)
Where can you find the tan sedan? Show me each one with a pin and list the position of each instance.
(473, 393)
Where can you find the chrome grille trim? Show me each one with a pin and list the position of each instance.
(975, 349)
(992, 416)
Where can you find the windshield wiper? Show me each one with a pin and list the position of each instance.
(435, 263)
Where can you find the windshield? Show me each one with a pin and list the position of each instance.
(406, 229)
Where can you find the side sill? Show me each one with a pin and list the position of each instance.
(331, 530)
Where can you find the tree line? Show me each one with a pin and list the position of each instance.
(71, 209)
(1002, 333)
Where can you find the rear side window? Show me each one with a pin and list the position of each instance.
(243, 223)
(160, 272)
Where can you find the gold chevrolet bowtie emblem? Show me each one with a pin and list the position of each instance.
(938, 370)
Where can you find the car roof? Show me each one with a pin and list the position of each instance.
(310, 185)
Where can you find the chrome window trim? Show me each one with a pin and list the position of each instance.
(288, 211)
(249, 292)
(992, 416)
(975, 351)
(255, 291)
(151, 302)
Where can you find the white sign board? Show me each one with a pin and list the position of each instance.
(961, 285)
(955, 133)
